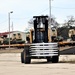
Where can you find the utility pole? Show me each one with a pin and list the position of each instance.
(12, 27)
(50, 18)
(9, 26)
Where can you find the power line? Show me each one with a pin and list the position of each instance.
(5, 29)
(62, 7)
(18, 18)
(3, 22)
(43, 11)
(39, 13)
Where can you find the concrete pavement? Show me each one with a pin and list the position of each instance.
(10, 64)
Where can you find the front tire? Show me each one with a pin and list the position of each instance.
(48, 59)
(55, 59)
(22, 57)
(27, 59)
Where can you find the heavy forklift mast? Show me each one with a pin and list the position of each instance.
(40, 46)
(41, 29)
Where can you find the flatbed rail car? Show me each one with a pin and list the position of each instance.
(66, 43)
(60, 44)
(12, 46)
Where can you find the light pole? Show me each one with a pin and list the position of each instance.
(9, 26)
(50, 18)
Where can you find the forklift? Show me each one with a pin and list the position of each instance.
(40, 46)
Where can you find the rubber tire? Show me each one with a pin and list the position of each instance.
(27, 59)
(22, 57)
(48, 59)
(55, 59)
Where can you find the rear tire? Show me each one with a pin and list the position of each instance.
(55, 59)
(48, 59)
(22, 57)
(27, 60)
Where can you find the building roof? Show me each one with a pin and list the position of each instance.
(4, 33)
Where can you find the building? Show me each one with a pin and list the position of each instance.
(15, 35)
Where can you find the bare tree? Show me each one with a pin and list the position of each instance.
(53, 22)
(70, 21)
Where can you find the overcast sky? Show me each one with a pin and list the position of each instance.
(24, 10)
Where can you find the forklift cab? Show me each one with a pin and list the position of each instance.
(40, 33)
